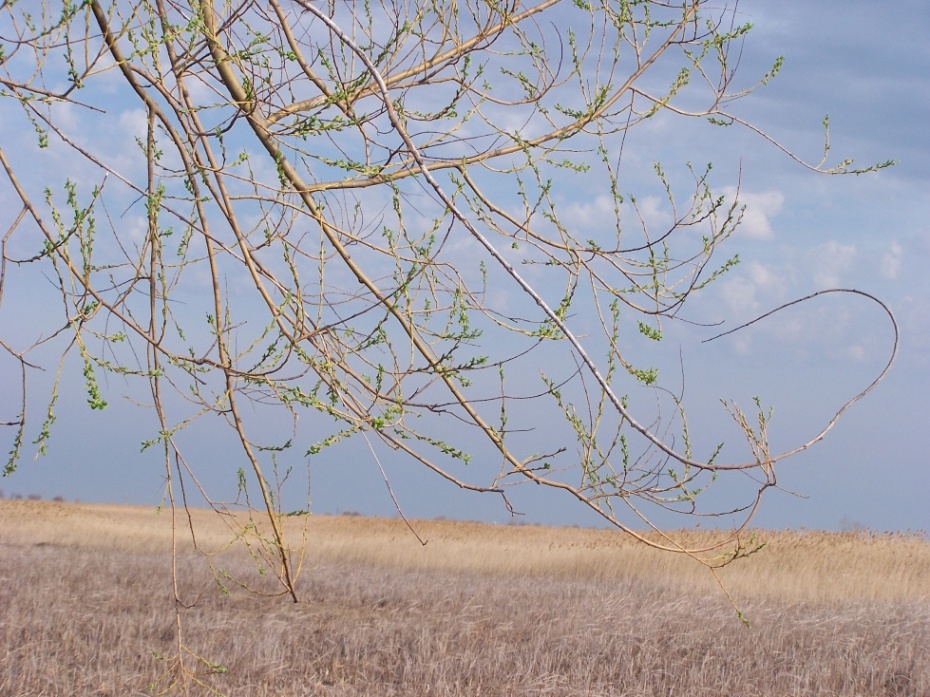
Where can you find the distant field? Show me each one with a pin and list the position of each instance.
(86, 608)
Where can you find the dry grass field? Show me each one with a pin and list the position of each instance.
(86, 608)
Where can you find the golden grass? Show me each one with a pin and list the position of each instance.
(810, 566)
(480, 609)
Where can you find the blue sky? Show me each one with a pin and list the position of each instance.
(803, 232)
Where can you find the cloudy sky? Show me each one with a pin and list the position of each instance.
(803, 232)
(869, 71)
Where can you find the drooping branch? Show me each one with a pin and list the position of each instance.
(372, 235)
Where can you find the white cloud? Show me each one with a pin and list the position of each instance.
(653, 211)
(766, 277)
(133, 123)
(739, 296)
(891, 262)
(757, 287)
(760, 209)
(856, 353)
(595, 217)
(830, 262)
(590, 213)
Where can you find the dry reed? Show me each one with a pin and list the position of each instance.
(85, 607)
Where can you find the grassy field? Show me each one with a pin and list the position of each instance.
(87, 608)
